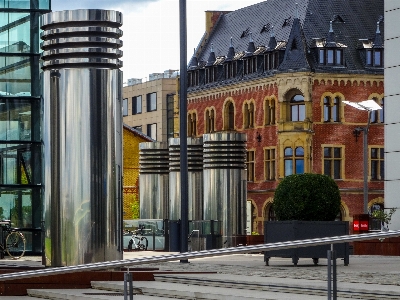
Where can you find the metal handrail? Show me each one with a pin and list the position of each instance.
(201, 254)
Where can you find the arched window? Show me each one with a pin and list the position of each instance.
(375, 223)
(271, 214)
(229, 116)
(377, 116)
(192, 123)
(332, 109)
(294, 161)
(209, 120)
(269, 112)
(248, 115)
(297, 109)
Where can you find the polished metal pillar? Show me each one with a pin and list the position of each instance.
(82, 136)
(153, 180)
(225, 189)
(195, 179)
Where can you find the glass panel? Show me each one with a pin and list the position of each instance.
(322, 56)
(288, 152)
(137, 105)
(152, 102)
(381, 112)
(288, 167)
(15, 120)
(15, 76)
(302, 112)
(327, 152)
(125, 107)
(20, 4)
(377, 58)
(336, 168)
(327, 167)
(337, 152)
(152, 131)
(298, 98)
(19, 164)
(16, 205)
(299, 151)
(369, 57)
(374, 169)
(381, 153)
(326, 109)
(335, 111)
(299, 166)
(382, 169)
(295, 113)
(374, 153)
(339, 57)
(330, 57)
(14, 32)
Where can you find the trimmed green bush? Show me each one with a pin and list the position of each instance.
(307, 197)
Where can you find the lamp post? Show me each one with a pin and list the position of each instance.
(183, 128)
(369, 106)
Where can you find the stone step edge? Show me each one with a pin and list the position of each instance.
(267, 286)
(232, 291)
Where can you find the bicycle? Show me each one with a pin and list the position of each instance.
(141, 243)
(14, 244)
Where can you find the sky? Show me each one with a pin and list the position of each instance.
(151, 29)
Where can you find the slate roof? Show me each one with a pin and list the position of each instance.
(138, 133)
(352, 20)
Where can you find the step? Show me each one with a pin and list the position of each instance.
(82, 294)
(289, 285)
(185, 291)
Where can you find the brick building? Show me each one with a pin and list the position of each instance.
(279, 72)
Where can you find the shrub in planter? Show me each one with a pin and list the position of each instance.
(307, 197)
(306, 206)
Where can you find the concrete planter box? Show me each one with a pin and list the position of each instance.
(283, 231)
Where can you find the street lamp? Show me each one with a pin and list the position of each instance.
(369, 106)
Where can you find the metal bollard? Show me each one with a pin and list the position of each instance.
(332, 275)
(128, 281)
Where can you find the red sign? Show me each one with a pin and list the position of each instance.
(364, 225)
(356, 225)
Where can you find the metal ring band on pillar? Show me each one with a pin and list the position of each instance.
(82, 38)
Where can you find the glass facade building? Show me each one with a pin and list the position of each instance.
(20, 117)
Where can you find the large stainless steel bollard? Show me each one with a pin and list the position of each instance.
(225, 189)
(195, 179)
(82, 136)
(153, 180)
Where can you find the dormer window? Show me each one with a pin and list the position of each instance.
(193, 78)
(211, 74)
(331, 56)
(271, 61)
(250, 65)
(374, 57)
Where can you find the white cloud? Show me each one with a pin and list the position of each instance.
(151, 29)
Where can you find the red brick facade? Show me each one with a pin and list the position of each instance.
(349, 87)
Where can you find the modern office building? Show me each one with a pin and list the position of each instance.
(152, 106)
(392, 104)
(279, 71)
(20, 115)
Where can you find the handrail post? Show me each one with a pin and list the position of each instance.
(329, 275)
(128, 281)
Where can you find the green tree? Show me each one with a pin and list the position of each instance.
(307, 197)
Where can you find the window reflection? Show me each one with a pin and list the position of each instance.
(15, 120)
(16, 205)
(15, 76)
(15, 32)
(25, 4)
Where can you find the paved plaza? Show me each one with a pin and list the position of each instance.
(364, 274)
